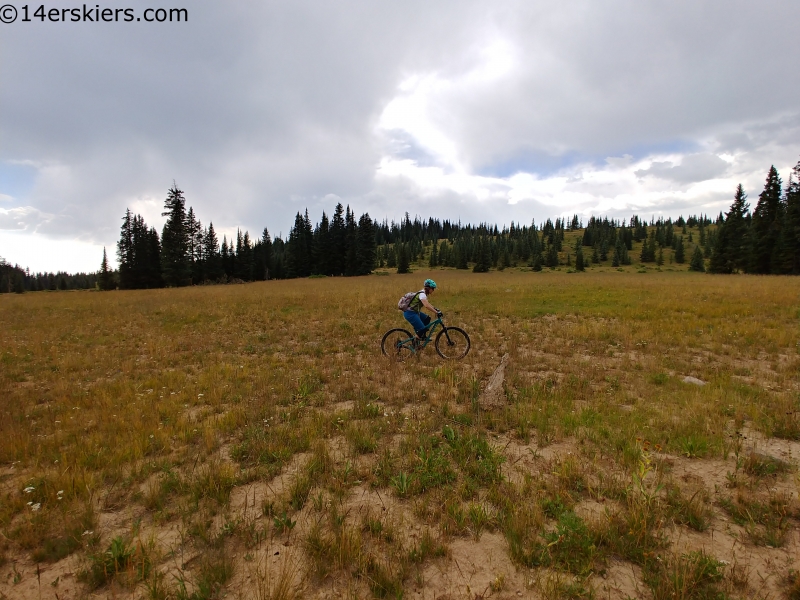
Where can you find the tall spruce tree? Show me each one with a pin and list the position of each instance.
(367, 245)
(266, 255)
(433, 260)
(195, 234)
(212, 267)
(298, 247)
(105, 279)
(788, 250)
(125, 256)
(338, 241)
(766, 222)
(175, 266)
(484, 258)
(323, 248)
(731, 250)
(403, 265)
(351, 244)
(153, 259)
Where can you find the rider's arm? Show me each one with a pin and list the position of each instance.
(428, 305)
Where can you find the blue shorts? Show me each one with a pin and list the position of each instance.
(419, 321)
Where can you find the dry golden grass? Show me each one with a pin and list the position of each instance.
(128, 414)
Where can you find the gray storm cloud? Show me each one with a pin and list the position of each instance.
(488, 112)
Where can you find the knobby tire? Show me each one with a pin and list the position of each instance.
(390, 347)
(457, 347)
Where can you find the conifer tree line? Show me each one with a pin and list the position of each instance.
(766, 240)
(15, 279)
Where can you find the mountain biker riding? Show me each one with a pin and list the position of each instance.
(414, 315)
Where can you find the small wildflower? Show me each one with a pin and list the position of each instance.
(87, 532)
(36, 506)
(29, 489)
(199, 395)
(151, 436)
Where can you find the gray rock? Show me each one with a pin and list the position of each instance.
(694, 380)
(494, 395)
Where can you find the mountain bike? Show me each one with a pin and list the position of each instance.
(450, 343)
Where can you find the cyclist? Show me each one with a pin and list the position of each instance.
(414, 315)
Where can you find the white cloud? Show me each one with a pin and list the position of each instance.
(23, 218)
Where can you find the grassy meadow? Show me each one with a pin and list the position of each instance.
(250, 441)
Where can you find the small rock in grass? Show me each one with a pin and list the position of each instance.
(694, 380)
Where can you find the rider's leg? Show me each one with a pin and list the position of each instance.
(426, 320)
(416, 322)
(419, 321)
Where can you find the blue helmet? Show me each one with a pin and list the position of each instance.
(429, 283)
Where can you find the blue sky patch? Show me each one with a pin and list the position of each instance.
(16, 181)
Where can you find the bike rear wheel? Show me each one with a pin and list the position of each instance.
(396, 344)
(452, 343)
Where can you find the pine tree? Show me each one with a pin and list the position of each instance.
(175, 240)
(351, 244)
(680, 256)
(153, 260)
(402, 259)
(788, 251)
(660, 258)
(579, 265)
(484, 257)
(212, 267)
(697, 263)
(461, 254)
(298, 248)
(367, 246)
(224, 259)
(19, 282)
(433, 261)
(537, 262)
(105, 280)
(765, 227)
(338, 241)
(266, 250)
(731, 244)
(194, 233)
(244, 258)
(125, 256)
(552, 257)
(323, 249)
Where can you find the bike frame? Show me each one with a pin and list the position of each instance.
(429, 331)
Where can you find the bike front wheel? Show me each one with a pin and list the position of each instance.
(396, 344)
(452, 343)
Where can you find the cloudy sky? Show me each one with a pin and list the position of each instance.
(479, 111)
